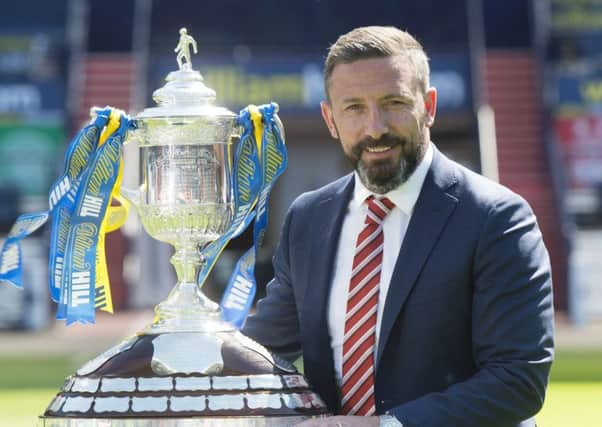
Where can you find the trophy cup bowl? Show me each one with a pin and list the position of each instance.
(188, 367)
(186, 200)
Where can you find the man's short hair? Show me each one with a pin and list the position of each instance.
(378, 42)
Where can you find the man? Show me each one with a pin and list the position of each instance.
(418, 291)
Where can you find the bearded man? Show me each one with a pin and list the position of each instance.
(418, 292)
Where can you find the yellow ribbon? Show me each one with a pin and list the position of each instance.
(114, 218)
(257, 119)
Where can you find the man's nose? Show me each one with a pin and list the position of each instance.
(376, 124)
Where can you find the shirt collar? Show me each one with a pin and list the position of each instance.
(404, 196)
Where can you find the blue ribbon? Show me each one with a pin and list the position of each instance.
(78, 201)
(77, 163)
(10, 255)
(246, 184)
(61, 194)
(240, 292)
(93, 197)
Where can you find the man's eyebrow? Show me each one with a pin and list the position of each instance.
(352, 100)
(403, 95)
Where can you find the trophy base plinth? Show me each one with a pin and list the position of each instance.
(172, 422)
(185, 379)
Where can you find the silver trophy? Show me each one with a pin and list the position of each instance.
(188, 367)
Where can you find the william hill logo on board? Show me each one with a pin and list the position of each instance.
(235, 87)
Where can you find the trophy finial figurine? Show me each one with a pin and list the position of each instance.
(183, 49)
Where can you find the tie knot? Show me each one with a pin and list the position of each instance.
(378, 209)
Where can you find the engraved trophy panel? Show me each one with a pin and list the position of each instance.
(186, 192)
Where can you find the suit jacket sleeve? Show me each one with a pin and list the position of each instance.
(512, 329)
(275, 324)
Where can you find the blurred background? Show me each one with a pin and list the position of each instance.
(520, 101)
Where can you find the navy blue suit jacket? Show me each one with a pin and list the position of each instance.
(467, 331)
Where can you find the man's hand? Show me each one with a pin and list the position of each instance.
(341, 421)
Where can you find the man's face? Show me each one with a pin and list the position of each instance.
(381, 117)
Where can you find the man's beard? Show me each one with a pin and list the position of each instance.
(385, 175)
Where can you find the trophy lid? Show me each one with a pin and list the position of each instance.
(185, 93)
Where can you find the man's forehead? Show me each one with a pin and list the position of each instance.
(387, 75)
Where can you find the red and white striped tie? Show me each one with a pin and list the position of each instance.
(360, 318)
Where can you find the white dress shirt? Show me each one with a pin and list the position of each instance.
(394, 229)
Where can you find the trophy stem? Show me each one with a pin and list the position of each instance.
(187, 309)
(187, 261)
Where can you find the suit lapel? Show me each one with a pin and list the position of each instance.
(431, 213)
(327, 221)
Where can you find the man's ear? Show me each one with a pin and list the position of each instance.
(326, 110)
(430, 106)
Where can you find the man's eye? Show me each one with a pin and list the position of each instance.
(396, 102)
(353, 107)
